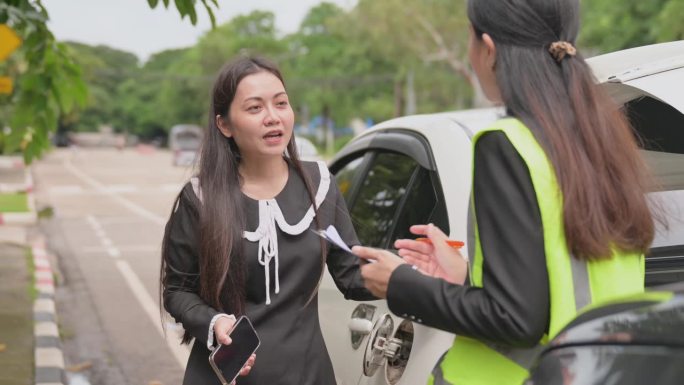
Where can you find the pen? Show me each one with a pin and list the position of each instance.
(454, 244)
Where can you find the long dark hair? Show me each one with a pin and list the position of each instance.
(222, 271)
(586, 135)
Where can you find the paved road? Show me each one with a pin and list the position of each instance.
(110, 209)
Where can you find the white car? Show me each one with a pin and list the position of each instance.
(417, 169)
(306, 149)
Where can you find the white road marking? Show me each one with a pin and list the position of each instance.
(113, 252)
(71, 190)
(152, 310)
(125, 249)
(120, 220)
(121, 188)
(171, 187)
(137, 209)
(65, 190)
(104, 239)
(149, 306)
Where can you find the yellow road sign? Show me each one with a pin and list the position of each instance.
(5, 85)
(9, 41)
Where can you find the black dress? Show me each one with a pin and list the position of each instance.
(292, 349)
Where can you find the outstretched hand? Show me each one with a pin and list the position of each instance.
(378, 269)
(437, 258)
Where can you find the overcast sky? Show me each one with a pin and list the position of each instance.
(131, 25)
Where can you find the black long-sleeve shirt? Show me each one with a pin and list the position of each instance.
(512, 308)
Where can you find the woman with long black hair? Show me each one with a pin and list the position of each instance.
(558, 218)
(238, 239)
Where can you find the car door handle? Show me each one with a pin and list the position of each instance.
(360, 325)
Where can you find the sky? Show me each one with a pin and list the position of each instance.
(131, 25)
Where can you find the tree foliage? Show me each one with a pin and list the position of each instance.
(49, 82)
(420, 34)
(187, 8)
(330, 74)
(379, 59)
(609, 26)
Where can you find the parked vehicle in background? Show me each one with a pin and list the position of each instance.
(306, 149)
(184, 142)
(417, 169)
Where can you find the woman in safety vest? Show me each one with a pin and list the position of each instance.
(558, 216)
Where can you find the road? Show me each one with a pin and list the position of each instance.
(110, 208)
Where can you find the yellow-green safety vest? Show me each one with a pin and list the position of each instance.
(573, 284)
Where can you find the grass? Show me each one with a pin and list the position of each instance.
(46, 212)
(32, 290)
(13, 203)
(16, 317)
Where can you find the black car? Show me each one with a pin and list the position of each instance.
(631, 342)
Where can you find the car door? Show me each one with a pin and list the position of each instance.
(389, 183)
(660, 129)
(642, 80)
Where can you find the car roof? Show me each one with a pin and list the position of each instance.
(630, 63)
(470, 121)
(643, 71)
(623, 74)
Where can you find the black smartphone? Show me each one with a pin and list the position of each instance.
(227, 360)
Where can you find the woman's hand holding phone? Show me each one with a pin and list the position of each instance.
(222, 329)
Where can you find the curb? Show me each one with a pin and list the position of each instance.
(49, 360)
(11, 162)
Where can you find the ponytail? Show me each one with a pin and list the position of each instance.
(585, 134)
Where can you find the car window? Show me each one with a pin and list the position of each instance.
(374, 209)
(660, 132)
(347, 175)
(423, 205)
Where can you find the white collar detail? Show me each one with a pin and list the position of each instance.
(270, 215)
(266, 233)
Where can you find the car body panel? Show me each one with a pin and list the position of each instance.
(306, 150)
(185, 141)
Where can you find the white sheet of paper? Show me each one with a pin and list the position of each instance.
(334, 237)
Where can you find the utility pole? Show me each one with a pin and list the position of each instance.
(328, 127)
(410, 93)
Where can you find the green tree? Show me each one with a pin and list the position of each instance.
(104, 69)
(609, 27)
(187, 8)
(140, 102)
(334, 76)
(49, 82)
(420, 35)
(184, 90)
(251, 34)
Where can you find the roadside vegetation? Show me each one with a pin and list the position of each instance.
(345, 68)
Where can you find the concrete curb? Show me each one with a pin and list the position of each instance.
(11, 162)
(27, 186)
(49, 360)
